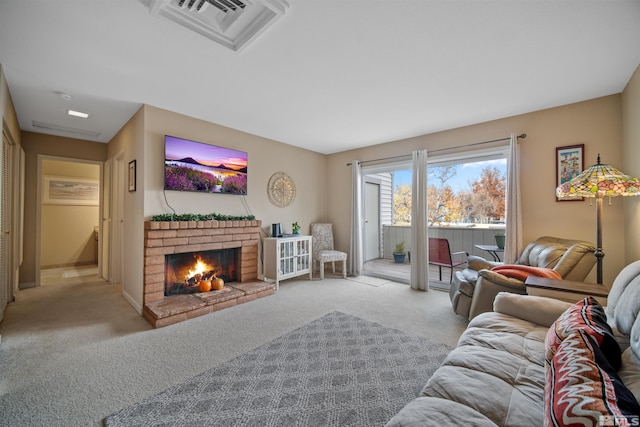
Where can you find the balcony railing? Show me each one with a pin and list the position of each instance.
(461, 238)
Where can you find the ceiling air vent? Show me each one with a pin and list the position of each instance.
(43, 126)
(231, 23)
(223, 5)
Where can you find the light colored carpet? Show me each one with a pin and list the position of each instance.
(72, 353)
(79, 271)
(338, 370)
(371, 281)
(439, 286)
(381, 281)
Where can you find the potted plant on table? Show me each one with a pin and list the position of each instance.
(295, 228)
(500, 236)
(399, 253)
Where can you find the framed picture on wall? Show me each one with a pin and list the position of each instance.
(569, 163)
(132, 175)
(64, 190)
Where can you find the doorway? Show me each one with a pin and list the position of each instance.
(11, 212)
(68, 216)
(113, 219)
(378, 215)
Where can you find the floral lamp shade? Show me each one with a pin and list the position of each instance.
(600, 180)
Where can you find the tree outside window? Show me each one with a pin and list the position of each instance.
(469, 193)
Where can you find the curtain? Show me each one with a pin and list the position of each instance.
(513, 239)
(356, 255)
(419, 237)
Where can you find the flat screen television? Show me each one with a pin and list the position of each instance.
(196, 166)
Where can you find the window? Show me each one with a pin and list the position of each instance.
(466, 198)
(463, 189)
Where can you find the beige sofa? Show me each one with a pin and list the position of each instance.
(496, 374)
(474, 288)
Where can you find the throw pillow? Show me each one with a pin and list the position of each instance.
(582, 389)
(586, 315)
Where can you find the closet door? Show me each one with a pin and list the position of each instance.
(5, 226)
(105, 231)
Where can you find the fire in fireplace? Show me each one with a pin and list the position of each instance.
(184, 271)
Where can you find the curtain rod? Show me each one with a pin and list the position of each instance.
(521, 136)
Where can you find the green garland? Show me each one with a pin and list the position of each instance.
(201, 217)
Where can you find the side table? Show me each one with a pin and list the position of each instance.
(565, 290)
(492, 249)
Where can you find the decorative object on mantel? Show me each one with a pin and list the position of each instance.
(281, 189)
(201, 217)
(598, 181)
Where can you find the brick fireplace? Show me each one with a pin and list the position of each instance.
(163, 238)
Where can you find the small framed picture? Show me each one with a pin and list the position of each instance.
(569, 164)
(132, 175)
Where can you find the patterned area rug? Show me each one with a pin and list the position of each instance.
(338, 370)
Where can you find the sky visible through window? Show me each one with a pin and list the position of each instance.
(465, 174)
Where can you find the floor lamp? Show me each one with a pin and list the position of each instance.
(599, 181)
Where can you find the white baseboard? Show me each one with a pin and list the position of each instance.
(133, 302)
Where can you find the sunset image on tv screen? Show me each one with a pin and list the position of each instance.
(196, 166)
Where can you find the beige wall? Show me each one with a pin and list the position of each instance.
(128, 144)
(66, 231)
(595, 123)
(35, 144)
(306, 168)
(12, 240)
(7, 111)
(631, 163)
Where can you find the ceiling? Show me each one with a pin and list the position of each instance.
(328, 76)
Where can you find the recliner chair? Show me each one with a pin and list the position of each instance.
(474, 288)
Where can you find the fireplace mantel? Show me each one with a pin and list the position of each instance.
(172, 237)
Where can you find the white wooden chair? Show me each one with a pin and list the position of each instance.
(323, 249)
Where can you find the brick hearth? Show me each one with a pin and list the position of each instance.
(172, 237)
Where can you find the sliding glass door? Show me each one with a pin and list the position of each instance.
(465, 199)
